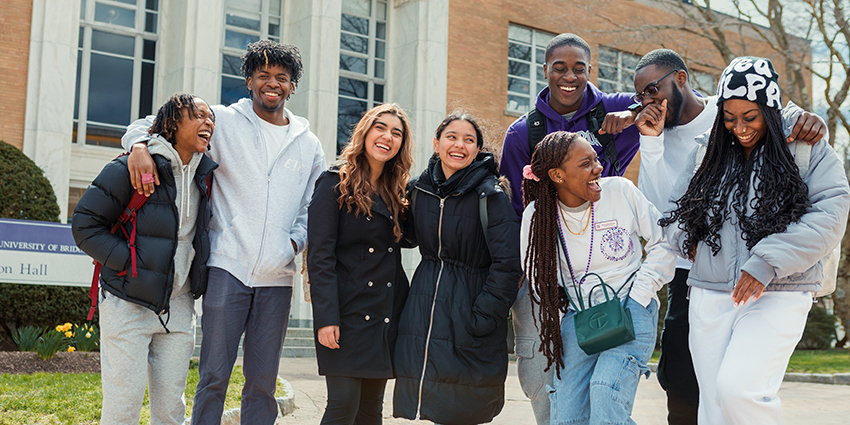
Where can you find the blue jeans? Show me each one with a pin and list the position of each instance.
(601, 388)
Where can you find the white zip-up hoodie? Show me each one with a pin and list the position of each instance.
(256, 210)
(187, 200)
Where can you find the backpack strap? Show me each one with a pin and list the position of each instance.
(609, 149)
(129, 214)
(536, 123)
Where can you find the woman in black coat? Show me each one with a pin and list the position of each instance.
(358, 286)
(452, 357)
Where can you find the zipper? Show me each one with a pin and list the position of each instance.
(268, 193)
(434, 301)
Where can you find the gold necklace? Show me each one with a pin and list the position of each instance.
(564, 219)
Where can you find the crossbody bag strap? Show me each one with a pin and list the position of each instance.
(561, 275)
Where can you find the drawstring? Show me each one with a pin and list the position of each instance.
(166, 321)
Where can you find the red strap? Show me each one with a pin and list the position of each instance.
(129, 213)
(93, 290)
(133, 243)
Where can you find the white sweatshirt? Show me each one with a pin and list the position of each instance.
(621, 217)
(663, 158)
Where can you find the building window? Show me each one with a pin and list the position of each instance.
(616, 70)
(115, 68)
(526, 56)
(245, 21)
(362, 62)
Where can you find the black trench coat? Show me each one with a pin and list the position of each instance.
(356, 282)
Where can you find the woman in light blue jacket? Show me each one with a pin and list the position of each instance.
(756, 227)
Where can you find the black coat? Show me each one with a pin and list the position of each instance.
(455, 319)
(157, 222)
(356, 282)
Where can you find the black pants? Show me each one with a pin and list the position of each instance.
(676, 368)
(354, 401)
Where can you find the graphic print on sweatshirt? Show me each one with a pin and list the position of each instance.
(616, 244)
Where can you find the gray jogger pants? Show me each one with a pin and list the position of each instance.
(135, 350)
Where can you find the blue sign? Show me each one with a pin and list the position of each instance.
(39, 252)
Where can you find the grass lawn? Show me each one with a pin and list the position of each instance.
(809, 361)
(75, 399)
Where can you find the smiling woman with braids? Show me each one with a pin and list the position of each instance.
(756, 218)
(571, 214)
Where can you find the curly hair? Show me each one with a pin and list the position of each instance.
(168, 115)
(265, 53)
(355, 187)
(541, 257)
(778, 196)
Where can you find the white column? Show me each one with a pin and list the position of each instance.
(189, 49)
(48, 122)
(313, 26)
(418, 54)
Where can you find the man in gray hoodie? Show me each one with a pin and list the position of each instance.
(269, 162)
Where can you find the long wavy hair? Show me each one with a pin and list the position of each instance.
(355, 174)
(541, 257)
(779, 196)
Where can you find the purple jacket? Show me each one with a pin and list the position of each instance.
(515, 154)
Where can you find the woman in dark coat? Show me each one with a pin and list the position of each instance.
(358, 286)
(452, 357)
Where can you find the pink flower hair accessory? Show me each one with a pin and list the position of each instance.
(528, 174)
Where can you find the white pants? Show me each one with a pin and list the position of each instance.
(741, 353)
(135, 350)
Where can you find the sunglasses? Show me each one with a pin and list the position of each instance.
(651, 89)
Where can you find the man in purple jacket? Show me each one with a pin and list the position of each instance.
(570, 103)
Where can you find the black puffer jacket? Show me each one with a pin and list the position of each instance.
(451, 357)
(156, 233)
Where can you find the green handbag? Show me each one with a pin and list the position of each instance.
(604, 325)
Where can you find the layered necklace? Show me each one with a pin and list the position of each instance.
(590, 221)
(565, 214)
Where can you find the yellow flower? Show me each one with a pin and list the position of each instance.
(58, 328)
(71, 349)
(88, 334)
(69, 334)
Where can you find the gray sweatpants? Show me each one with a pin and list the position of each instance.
(135, 350)
(530, 364)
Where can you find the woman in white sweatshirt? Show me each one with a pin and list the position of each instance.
(576, 223)
(148, 288)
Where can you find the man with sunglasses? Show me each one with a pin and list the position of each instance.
(671, 116)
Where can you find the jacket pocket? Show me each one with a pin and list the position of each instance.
(711, 268)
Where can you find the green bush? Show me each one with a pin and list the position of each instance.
(42, 306)
(27, 338)
(820, 330)
(26, 194)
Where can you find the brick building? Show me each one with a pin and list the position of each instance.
(74, 73)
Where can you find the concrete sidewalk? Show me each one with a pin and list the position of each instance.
(802, 403)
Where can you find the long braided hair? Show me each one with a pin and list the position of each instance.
(541, 257)
(779, 198)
